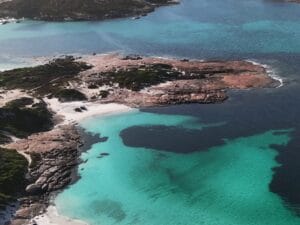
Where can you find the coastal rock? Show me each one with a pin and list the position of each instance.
(144, 81)
(34, 189)
(54, 156)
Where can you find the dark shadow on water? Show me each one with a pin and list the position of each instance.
(246, 113)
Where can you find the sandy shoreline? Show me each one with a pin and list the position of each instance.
(65, 113)
(51, 217)
(69, 116)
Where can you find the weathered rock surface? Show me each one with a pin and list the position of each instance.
(143, 82)
(54, 156)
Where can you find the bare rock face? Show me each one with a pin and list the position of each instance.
(33, 189)
(144, 82)
(56, 141)
(54, 156)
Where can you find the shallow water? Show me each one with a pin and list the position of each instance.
(222, 185)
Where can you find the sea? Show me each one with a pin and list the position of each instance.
(234, 163)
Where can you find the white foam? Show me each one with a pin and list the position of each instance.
(270, 72)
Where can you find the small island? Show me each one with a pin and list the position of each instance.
(40, 107)
(71, 10)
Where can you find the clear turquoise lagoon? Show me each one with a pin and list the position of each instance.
(225, 185)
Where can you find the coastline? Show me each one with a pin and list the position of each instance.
(270, 72)
(174, 91)
(51, 216)
(66, 109)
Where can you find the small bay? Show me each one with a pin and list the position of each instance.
(227, 184)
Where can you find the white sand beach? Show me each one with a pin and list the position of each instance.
(66, 110)
(51, 217)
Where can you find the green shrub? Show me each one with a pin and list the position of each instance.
(69, 95)
(43, 79)
(13, 168)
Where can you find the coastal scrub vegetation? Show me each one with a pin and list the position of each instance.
(43, 79)
(20, 102)
(13, 168)
(136, 79)
(68, 95)
(56, 10)
(20, 121)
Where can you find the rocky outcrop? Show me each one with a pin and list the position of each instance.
(56, 10)
(144, 82)
(54, 157)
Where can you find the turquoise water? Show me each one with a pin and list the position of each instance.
(194, 28)
(225, 185)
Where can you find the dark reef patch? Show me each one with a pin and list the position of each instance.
(170, 138)
(286, 176)
(89, 139)
(109, 208)
(247, 114)
(285, 181)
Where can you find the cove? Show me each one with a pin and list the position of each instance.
(227, 184)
